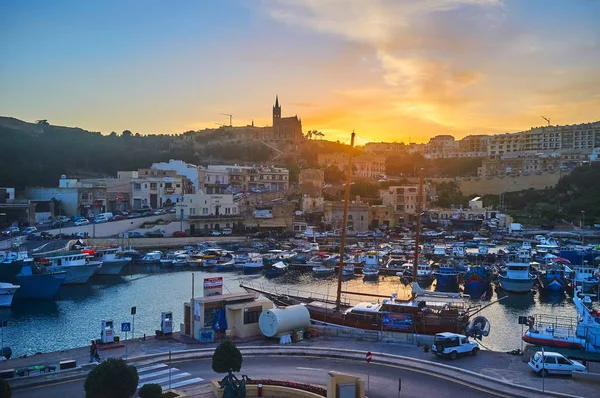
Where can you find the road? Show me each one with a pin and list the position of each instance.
(383, 380)
(35, 246)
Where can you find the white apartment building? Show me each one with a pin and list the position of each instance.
(202, 205)
(196, 174)
(156, 188)
(236, 178)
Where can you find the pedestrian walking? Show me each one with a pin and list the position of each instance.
(94, 352)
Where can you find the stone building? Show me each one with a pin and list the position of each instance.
(358, 215)
(311, 182)
(382, 217)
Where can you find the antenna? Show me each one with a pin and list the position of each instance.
(546, 119)
(230, 117)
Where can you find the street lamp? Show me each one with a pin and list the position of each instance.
(59, 216)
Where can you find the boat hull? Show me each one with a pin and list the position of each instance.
(554, 284)
(475, 284)
(7, 292)
(77, 274)
(548, 340)
(39, 286)
(516, 285)
(446, 280)
(113, 267)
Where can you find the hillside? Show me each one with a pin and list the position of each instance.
(36, 154)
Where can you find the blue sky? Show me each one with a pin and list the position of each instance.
(387, 68)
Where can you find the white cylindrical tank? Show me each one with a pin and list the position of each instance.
(278, 321)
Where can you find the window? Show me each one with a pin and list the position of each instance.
(178, 185)
(152, 185)
(251, 315)
(349, 216)
(190, 201)
(84, 196)
(550, 360)
(146, 186)
(563, 361)
(204, 210)
(168, 185)
(137, 186)
(192, 210)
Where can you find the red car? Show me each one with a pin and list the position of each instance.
(118, 218)
(179, 234)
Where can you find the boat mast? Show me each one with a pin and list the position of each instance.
(418, 232)
(338, 300)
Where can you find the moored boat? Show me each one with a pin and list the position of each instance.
(7, 292)
(78, 266)
(112, 258)
(35, 282)
(446, 277)
(476, 282)
(253, 264)
(516, 278)
(277, 269)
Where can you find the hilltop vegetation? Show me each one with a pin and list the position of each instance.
(37, 154)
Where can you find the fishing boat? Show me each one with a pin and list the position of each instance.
(482, 250)
(585, 277)
(196, 260)
(424, 274)
(371, 265)
(322, 271)
(580, 333)
(446, 277)
(113, 259)
(7, 292)
(224, 262)
(78, 265)
(253, 265)
(516, 278)
(348, 270)
(276, 270)
(553, 279)
(36, 282)
(476, 281)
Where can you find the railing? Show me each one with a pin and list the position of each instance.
(215, 217)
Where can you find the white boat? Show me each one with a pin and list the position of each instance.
(79, 266)
(458, 251)
(113, 260)
(254, 264)
(424, 273)
(7, 291)
(152, 258)
(439, 250)
(181, 260)
(516, 278)
(322, 271)
(482, 250)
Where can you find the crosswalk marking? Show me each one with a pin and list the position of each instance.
(186, 382)
(165, 379)
(159, 373)
(148, 368)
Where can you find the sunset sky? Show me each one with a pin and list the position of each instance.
(389, 69)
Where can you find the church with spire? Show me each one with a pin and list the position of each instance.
(285, 128)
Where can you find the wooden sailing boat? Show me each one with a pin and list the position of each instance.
(423, 313)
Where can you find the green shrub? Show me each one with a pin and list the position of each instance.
(150, 391)
(113, 378)
(227, 356)
(5, 391)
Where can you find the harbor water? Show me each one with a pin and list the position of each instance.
(74, 319)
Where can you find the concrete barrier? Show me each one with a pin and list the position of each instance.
(589, 377)
(267, 391)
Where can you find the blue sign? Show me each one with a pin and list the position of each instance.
(395, 321)
(126, 327)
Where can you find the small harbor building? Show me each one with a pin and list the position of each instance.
(240, 311)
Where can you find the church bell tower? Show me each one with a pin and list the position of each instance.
(276, 112)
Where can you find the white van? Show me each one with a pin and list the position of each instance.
(108, 216)
(227, 231)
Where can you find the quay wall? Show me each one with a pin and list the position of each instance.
(114, 227)
(165, 242)
(374, 335)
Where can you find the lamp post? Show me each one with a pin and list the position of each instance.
(583, 228)
(59, 216)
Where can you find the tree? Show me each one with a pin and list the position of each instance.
(227, 356)
(5, 391)
(332, 175)
(150, 391)
(113, 378)
(126, 134)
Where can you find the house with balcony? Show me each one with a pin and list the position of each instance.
(207, 212)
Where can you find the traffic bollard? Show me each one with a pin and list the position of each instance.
(260, 390)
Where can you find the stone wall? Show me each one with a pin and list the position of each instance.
(498, 185)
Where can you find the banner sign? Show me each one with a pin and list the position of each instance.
(213, 286)
(394, 321)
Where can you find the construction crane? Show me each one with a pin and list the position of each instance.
(546, 119)
(230, 117)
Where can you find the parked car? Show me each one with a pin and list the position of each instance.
(179, 234)
(58, 224)
(62, 236)
(156, 233)
(147, 213)
(134, 215)
(63, 219)
(135, 234)
(452, 345)
(35, 236)
(118, 217)
(554, 363)
(11, 231)
(227, 231)
(82, 221)
(160, 212)
(172, 210)
(100, 219)
(215, 233)
(29, 230)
